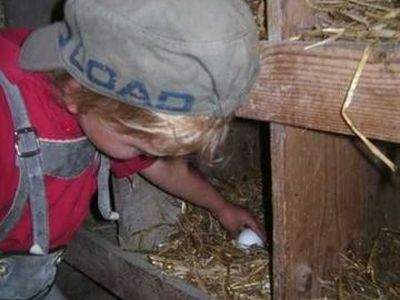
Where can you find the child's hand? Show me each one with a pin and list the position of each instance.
(235, 218)
(174, 176)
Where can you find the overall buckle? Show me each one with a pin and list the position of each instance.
(27, 143)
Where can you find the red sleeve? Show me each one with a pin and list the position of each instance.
(122, 168)
(15, 35)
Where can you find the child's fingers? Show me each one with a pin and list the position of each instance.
(255, 226)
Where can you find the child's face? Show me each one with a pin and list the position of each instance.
(108, 140)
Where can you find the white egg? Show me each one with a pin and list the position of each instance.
(248, 238)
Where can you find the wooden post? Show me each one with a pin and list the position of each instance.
(319, 186)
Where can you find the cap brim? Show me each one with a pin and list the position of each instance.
(40, 50)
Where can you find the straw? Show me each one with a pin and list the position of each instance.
(371, 21)
(349, 97)
(369, 269)
(200, 251)
(360, 20)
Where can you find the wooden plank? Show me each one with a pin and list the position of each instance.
(287, 18)
(127, 274)
(320, 187)
(307, 88)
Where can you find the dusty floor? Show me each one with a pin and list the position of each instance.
(77, 286)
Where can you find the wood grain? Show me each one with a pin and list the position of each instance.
(320, 186)
(320, 182)
(307, 88)
(127, 274)
(288, 18)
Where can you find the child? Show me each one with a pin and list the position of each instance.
(140, 82)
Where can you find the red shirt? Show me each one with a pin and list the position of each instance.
(68, 200)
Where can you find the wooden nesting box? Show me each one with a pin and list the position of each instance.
(326, 190)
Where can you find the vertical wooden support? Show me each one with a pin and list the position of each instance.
(319, 187)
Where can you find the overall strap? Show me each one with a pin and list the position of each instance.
(15, 211)
(28, 149)
(103, 200)
(66, 159)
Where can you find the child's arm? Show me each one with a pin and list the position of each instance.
(175, 176)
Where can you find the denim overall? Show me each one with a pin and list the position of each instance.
(31, 275)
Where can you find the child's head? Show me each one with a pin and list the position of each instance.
(165, 134)
(183, 62)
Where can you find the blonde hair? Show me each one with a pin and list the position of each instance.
(179, 134)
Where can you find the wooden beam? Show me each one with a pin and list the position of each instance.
(307, 88)
(127, 274)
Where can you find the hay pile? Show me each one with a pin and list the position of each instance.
(370, 270)
(199, 250)
(356, 20)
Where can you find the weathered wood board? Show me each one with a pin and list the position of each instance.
(128, 275)
(307, 88)
(323, 187)
(320, 190)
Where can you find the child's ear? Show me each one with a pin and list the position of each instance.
(70, 88)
